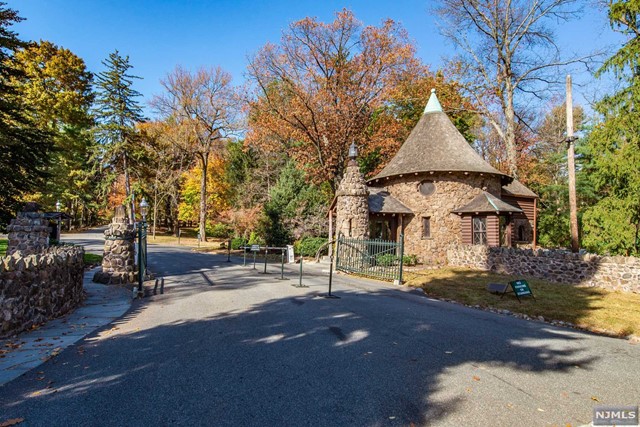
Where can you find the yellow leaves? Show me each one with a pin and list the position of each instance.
(217, 189)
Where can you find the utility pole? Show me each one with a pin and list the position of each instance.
(573, 206)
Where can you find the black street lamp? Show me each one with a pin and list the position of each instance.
(58, 207)
(144, 209)
(353, 151)
(142, 246)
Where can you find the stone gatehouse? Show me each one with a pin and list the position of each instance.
(437, 191)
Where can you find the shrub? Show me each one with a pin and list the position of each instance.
(386, 260)
(254, 239)
(238, 242)
(219, 231)
(310, 245)
(410, 260)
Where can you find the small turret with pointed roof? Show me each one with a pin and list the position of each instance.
(435, 145)
(352, 206)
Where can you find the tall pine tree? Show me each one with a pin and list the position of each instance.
(613, 224)
(23, 147)
(117, 112)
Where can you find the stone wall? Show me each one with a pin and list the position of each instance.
(28, 233)
(613, 273)
(39, 287)
(452, 190)
(352, 205)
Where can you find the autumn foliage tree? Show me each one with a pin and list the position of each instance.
(202, 110)
(55, 86)
(320, 88)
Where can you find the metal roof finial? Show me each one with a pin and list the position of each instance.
(433, 106)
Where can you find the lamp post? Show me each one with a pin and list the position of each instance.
(353, 151)
(58, 207)
(142, 246)
(144, 209)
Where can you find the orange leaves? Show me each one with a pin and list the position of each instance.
(323, 86)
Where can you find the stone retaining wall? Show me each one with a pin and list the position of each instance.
(613, 273)
(39, 287)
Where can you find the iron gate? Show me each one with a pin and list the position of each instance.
(377, 258)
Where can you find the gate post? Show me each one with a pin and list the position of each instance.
(401, 257)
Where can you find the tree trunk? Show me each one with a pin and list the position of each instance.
(510, 133)
(204, 161)
(127, 189)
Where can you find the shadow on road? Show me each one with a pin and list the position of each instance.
(300, 360)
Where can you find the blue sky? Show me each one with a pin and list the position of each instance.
(159, 34)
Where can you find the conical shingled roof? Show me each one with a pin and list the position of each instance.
(436, 145)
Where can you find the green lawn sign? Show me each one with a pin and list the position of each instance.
(521, 289)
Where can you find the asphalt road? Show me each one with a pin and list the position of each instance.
(226, 345)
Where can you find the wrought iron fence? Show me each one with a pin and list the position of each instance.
(377, 258)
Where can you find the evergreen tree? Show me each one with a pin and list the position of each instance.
(613, 224)
(295, 208)
(117, 113)
(24, 147)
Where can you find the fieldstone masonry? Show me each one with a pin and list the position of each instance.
(352, 204)
(39, 287)
(613, 273)
(452, 190)
(29, 232)
(118, 262)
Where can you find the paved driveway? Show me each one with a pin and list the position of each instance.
(226, 345)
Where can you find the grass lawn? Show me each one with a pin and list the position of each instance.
(3, 246)
(92, 259)
(188, 237)
(594, 309)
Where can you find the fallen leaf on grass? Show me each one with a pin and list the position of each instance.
(11, 422)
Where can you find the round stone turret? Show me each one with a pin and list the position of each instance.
(352, 205)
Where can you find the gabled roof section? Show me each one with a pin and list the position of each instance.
(436, 145)
(380, 201)
(486, 202)
(516, 188)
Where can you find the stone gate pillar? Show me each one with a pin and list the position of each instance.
(352, 204)
(118, 261)
(29, 232)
